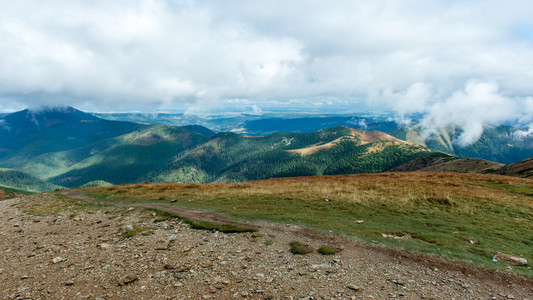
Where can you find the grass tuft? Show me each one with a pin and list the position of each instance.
(328, 250)
(299, 248)
(257, 235)
(136, 230)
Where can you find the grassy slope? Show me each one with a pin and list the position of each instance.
(464, 216)
(8, 193)
(465, 165)
(22, 181)
(521, 169)
(439, 162)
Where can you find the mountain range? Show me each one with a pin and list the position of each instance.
(67, 147)
(504, 144)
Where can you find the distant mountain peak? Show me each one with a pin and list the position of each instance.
(51, 109)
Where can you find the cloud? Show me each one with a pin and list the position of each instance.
(477, 104)
(411, 56)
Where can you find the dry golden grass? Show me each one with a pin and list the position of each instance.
(315, 148)
(358, 137)
(394, 188)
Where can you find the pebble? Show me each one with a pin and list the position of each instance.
(128, 228)
(58, 259)
(128, 279)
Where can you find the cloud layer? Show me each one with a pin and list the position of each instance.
(455, 61)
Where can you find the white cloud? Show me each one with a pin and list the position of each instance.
(411, 55)
(477, 104)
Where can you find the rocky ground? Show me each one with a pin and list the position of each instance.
(123, 253)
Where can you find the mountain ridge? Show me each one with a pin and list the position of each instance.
(47, 146)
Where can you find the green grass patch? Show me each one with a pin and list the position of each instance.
(257, 235)
(328, 250)
(162, 215)
(299, 248)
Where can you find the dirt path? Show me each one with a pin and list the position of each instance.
(85, 255)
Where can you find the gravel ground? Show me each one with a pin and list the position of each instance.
(88, 255)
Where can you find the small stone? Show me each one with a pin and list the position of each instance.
(510, 297)
(353, 287)
(128, 228)
(163, 244)
(513, 260)
(58, 259)
(69, 283)
(127, 280)
(105, 246)
(16, 225)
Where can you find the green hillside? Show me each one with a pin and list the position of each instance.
(22, 181)
(230, 157)
(162, 153)
(124, 159)
(70, 148)
(27, 134)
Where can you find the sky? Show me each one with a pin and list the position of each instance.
(462, 62)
